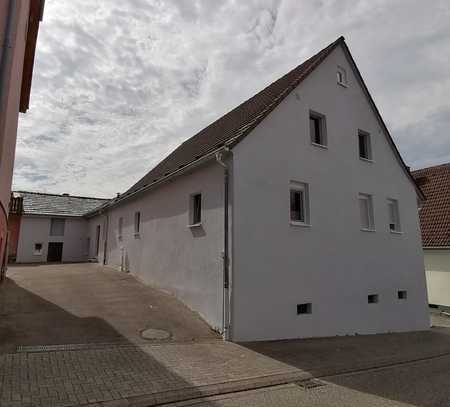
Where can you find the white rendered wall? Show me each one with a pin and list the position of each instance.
(34, 229)
(437, 266)
(168, 254)
(332, 264)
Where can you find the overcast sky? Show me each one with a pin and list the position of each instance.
(118, 84)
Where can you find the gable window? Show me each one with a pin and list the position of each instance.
(195, 209)
(137, 223)
(57, 227)
(37, 249)
(394, 217)
(372, 298)
(341, 76)
(364, 145)
(317, 129)
(120, 227)
(366, 212)
(299, 203)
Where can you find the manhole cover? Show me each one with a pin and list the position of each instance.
(155, 334)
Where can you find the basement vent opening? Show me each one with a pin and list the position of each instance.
(304, 308)
(372, 298)
(402, 295)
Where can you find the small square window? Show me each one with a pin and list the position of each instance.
(304, 308)
(366, 212)
(402, 294)
(394, 216)
(365, 148)
(372, 298)
(195, 208)
(341, 76)
(137, 223)
(299, 203)
(37, 249)
(317, 129)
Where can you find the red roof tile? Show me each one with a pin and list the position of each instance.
(435, 212)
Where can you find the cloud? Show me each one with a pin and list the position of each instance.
(118, 85)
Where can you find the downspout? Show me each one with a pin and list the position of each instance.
(105, 247)
(226, 251)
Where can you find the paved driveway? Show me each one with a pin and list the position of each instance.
(86, 303)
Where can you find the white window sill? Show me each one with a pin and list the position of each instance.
(319, 145)
(366, 160)
(343, 84)
(301, 224)
(195, 225)
(396, 232)
(37, 254)
(368, 230)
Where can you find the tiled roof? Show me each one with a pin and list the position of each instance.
(35, 203)
(435, 212)
(235, 124)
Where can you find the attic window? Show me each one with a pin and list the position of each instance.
(317, 129)
(341, 76)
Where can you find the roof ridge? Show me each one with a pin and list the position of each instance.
(61, 195)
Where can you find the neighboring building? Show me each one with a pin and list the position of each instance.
(291, 216)
(435, 224)
(52, 227)
(19, 25)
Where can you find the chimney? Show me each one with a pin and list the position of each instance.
(65, 194)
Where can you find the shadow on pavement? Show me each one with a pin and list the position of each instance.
(339, 355)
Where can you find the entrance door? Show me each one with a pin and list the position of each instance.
(54, 253)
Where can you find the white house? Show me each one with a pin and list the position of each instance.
(51, 228)
(435, 225)
(291, 216)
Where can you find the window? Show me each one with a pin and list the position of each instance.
(394, 218)
(372, 298)
(366, 212)
(120, 227)
(299, 203)
(37, 249)
(402, 294)
(365, 148)
(341, 76)
(317, 129)
(195, 210)
(57, 227)
(304, 308)
(137, 223)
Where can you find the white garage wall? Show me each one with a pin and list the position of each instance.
(437, 266)
(332, 264)
(36, 229)
(167, 253)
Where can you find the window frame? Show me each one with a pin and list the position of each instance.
(397, 224)
(367, 142)
(343, 73)
(52, 231)
(322, 128)
(370, 212)
(195, 209)
(120, 227)
(303, 189)
(40, 251)
(137, 224)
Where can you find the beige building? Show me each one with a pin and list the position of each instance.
(19, 25)
(435, 225)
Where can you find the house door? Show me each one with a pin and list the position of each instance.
(54, 253)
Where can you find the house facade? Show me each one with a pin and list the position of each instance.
(291, 216)
(19, 25)
(435, 224)
(51, 228)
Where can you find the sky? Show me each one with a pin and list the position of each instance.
(119, 84)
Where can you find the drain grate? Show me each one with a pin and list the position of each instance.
(310, 384)
(71, 346)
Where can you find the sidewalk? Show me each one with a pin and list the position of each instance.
(129, 375)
